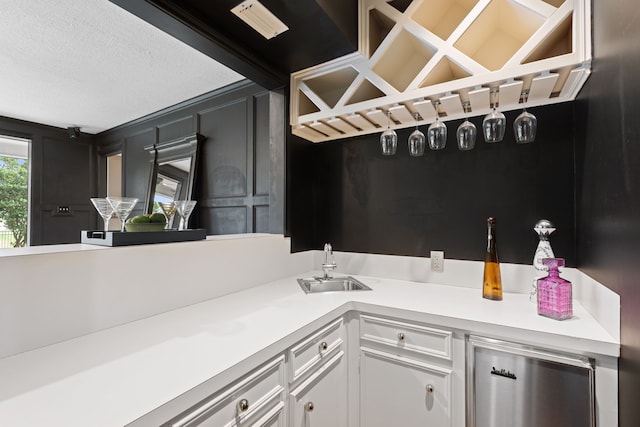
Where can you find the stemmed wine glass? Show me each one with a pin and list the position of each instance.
(437, 132)
(184, 209)
(494, 123)
(389, 139)
(169, 211)
(122, 206)
(417, 140)
(526, 124)
(104, 208)
(466, 133)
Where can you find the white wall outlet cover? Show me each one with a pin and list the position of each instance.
(437, 261)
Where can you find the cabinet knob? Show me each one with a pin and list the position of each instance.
(401, 337)
(429, 388)
(243, 405)
(308, 406)
(323, 346)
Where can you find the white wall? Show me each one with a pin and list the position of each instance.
(51, 297)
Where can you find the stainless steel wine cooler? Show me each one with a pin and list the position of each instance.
(511, 385)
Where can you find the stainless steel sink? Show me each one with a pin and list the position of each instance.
(335, 284)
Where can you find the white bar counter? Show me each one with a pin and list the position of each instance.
(113, 375)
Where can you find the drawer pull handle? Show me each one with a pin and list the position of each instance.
(243, 405)
(401, 337)
(323, 346)
(308, 406)
(429, 388)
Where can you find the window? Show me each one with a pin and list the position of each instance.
(14, 191)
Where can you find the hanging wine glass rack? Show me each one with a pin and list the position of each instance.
(414, 54)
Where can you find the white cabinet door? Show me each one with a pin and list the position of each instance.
(321, 400)
(399, 391)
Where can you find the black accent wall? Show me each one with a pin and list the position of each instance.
(62, 174)
(347, 193)
(240, 182)
(608, 179)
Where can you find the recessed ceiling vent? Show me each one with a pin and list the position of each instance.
(259, 18)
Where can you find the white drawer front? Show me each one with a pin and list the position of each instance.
(250, 397)
(315, 349)
(412, 338)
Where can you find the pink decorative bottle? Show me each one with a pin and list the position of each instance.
(554, 292)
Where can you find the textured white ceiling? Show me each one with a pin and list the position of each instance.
(91, 64)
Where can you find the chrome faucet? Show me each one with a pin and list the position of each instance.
(328, 264)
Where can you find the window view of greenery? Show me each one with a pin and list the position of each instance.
(14, 176)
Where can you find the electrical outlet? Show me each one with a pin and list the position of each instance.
(437, 261)
(62, 211)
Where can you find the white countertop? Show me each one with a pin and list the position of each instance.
(80, 247)
(113, 377)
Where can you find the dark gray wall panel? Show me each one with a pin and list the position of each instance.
(278, 119)
(262, 146)
(66, 229)
(237, 124)
(65, 170)
(136, 166)
(261, 219)
(229, 220)
(175, 129)
(68, 163)
(225, 151)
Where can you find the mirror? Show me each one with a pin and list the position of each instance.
(173, 170)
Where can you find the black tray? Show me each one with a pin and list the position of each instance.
(127, 238)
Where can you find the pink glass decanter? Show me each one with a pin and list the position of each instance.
(554, 292)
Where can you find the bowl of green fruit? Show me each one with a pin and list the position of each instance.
(146, 222)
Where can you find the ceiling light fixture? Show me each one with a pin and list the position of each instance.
(259, 18)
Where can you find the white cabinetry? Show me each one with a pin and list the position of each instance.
(321, 400)
(399, 391)
(318, 377)
(312, 372)
(408, 375)
(359, 370)
(256, 399)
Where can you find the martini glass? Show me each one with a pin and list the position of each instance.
(122, 206)
(169, 211)
(184, 209)
(104, 208)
